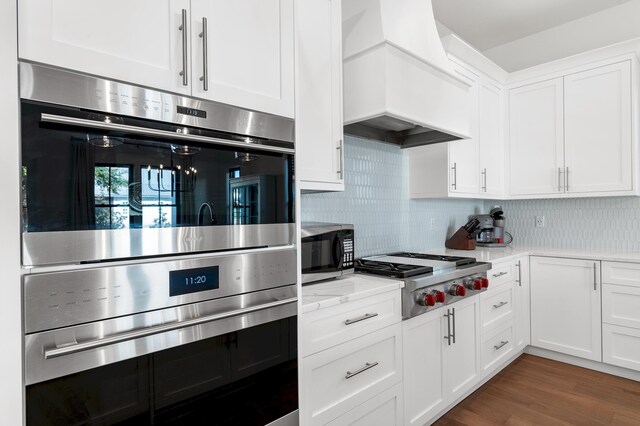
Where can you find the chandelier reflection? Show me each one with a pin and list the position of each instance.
(177, 178)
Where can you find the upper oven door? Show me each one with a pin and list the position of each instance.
(98, 186)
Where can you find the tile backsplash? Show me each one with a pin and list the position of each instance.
(376, 200)
(603, 224)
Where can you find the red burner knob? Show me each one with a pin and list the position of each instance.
(477, 284)
(440, 296)
(485, 282)
(458, 290)
(427, 299)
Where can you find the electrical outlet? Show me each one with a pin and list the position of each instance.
(539, 221)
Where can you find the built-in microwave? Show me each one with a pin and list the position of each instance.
(327, 251)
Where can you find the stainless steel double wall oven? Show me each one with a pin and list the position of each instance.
(159, 256)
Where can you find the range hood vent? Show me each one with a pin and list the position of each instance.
(399, 86)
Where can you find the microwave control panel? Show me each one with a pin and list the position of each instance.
(347, 260)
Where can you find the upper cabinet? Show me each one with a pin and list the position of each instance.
(319, 134)
(573, 135)
(490, 138)
(163, 44)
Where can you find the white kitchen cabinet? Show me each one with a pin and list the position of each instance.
(441, 355)
(536, 138)
(384, 409)
(621, 346)
(249, 51)
(161, 44)
(597, 130)
(139, 42)
(522, 303)
(319, 129)
(490, 138)
(565, 306)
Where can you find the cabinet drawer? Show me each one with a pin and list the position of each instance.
(621, 305)
(497, 346)
(621, 346)
(496, 307)
(384, 409)
(621, 273)
(341, 378)
(500, 274)
(332, 326)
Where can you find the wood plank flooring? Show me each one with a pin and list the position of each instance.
(538, 391)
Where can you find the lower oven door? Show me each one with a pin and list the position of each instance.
(231, 361)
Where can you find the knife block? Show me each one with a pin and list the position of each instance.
(461, 240)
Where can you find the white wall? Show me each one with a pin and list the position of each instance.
(591, 32)
(11, 391)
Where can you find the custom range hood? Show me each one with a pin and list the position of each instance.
(399, 86)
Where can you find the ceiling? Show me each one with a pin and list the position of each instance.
(518, 34)
(489, 23)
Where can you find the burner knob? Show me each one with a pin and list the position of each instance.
(485, 282)
(440, 296)
(458, 290)
(477, 284)
(473, 284)
(427, 299)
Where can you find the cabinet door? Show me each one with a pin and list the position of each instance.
(536, 138)
(249, 53)
(491, 145)
(462, 356)
(522, 304)
(319, 136)
(463, 154)
(423, 347)
(565, 306)
(597, 116)
(143, 45)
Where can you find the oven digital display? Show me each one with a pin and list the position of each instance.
(187, 281)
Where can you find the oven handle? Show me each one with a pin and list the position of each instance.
(81, 122)
(137, 334)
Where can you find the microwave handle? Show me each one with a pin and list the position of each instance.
(338, 252)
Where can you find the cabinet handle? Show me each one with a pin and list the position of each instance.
(205, 56)
(362, 318)
(484, 179)
(448, 336)
(360, 370)
(453, 313)
(595, 278)
(502, 343)
(500, 305)
(454, 184)
(560, 179)
(519, 280)
(500, 274)
(340, 161)
(566, 178)
(183, 28)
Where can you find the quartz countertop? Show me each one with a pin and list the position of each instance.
(345, 289)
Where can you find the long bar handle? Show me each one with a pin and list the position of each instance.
(500, 274)
(595, 276)
(484, 178)
(81, 122)
(453, 313)
(566, 179)
(183, 28)
(367, 366)
(205, 56)
(150, 331)
(502, 343)
(519, 280)
(500, 305)
(560, 179)
(455, 176)
(362, 318)
(448, 336)
(340, 159)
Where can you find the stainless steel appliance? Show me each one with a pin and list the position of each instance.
(327, 251)
(114, 171)
(431, 280)
(491, 230)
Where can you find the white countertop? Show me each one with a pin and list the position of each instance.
(345, 289)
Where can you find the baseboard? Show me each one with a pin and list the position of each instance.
(584, 363)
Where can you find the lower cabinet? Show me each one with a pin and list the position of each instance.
(383, 409)
(441, 355)
(522, 303)
(621, 346)
(565, 306)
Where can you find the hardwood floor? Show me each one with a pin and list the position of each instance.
(538, 391)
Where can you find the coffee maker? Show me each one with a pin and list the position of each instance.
(491, 229)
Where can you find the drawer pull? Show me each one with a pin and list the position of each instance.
(500, 274)
(362, 318)
(360, 370)
(502, 343)
(500, 305)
